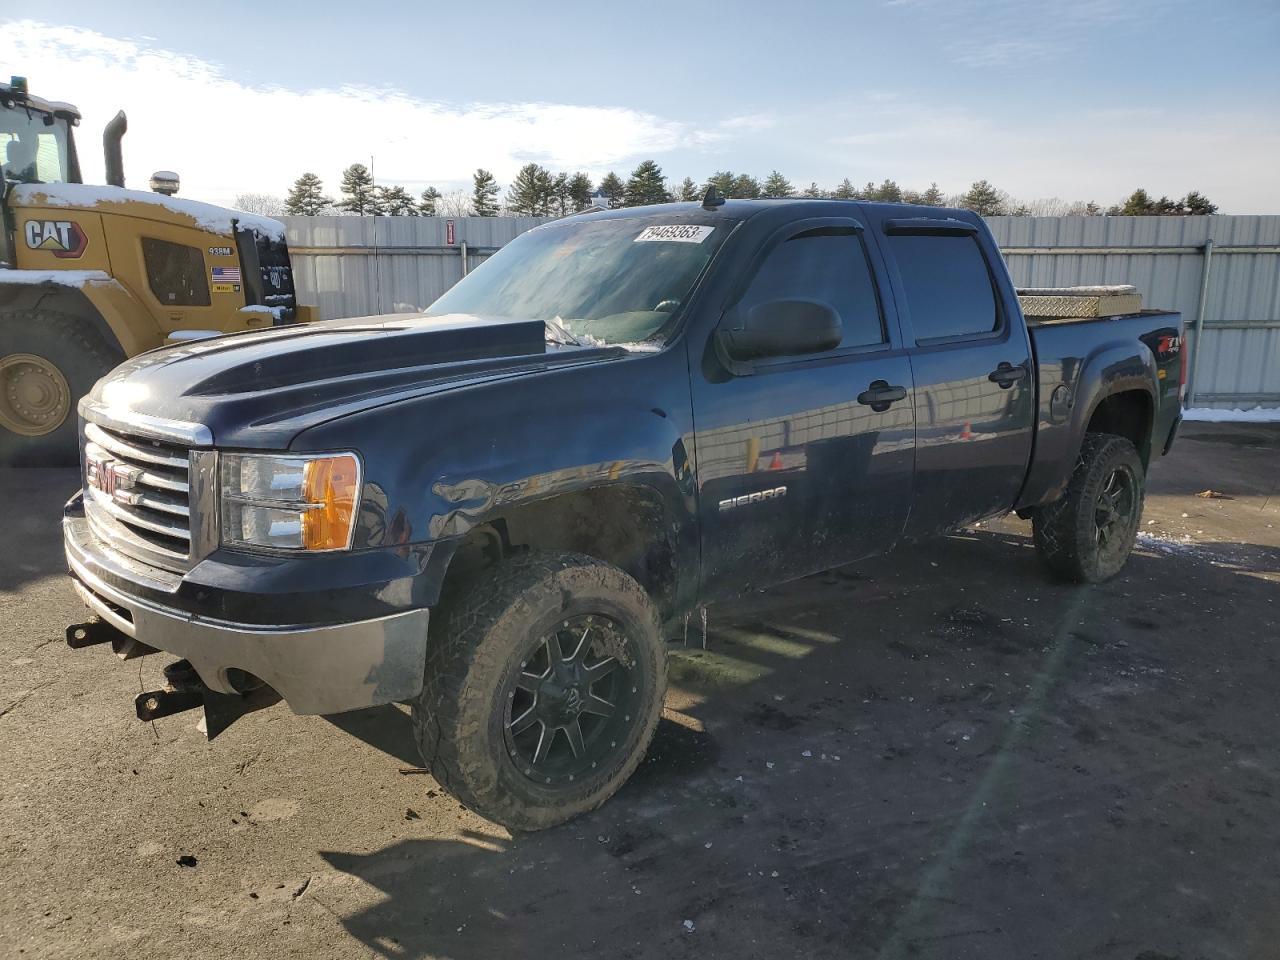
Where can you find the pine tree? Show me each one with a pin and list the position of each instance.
(613, 189)
(776, 185)
(307, 198)
(580, 191)
(360, 193)
(813, 191)
(1137, 204)
(396, 202)
(985, 200)
(933, 197)
(1196, 204)
(558, 193)
(527, 195)
(688, 190)
(745, 187)
(427, 204)
(722, 180)
(645, 186)
(887, 192)
(1091, 209)
(484, 194)
(845, 190)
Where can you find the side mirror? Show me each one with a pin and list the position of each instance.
(782, 328)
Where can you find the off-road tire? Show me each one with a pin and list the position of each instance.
(79, 353)
(1065, 532)
(477, 639)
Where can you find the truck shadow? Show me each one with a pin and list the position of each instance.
(845, 770)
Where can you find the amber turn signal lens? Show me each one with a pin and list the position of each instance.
(332, 485)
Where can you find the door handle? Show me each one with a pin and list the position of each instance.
(880, 394)
(1006, 374)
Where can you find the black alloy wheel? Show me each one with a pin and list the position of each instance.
(571, 701)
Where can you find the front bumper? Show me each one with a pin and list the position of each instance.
(317, 669)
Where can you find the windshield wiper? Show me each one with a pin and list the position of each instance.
(561, 333)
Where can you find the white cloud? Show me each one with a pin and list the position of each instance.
(225, 137)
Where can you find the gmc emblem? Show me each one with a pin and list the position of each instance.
(112, 477)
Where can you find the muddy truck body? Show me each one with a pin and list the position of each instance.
(501, 510)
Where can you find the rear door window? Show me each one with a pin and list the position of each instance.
(947, 284)
(827, 264)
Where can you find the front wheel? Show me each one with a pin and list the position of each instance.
(544, 684)
(1088, 534)
(48, 361)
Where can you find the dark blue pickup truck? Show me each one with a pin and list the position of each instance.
(499, 510)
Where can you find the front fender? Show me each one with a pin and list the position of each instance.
(439, 465)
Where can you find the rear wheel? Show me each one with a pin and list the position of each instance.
(544, 684)
(1088, 534)
(48, 361)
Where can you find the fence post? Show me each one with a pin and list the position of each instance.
(464, 257)
(1199, 321)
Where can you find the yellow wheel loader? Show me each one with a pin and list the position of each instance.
(92, 275)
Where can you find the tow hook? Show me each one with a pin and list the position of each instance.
(184, 690)
(95, 630)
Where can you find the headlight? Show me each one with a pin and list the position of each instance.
(289, 502)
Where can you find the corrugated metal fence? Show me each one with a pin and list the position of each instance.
(1222, 273)
(360, 266)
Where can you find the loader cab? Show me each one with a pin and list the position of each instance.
(37, 144)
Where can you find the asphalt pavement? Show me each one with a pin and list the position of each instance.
(938, 754)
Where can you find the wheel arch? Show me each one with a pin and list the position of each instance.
(631, 525)
(1127, 413)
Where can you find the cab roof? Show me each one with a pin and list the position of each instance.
(738, 210)
(9, 95)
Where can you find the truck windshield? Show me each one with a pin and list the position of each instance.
(33, 146)
(611, 281)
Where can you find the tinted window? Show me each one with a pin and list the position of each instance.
(948, 287)
(176, 273)
(828, 265)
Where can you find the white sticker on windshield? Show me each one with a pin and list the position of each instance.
(675, 233)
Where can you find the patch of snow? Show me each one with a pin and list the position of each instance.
(1213, 415)
(204, 215)
(258, 309)
(1174, 546)
(181, 336)
(65, 278)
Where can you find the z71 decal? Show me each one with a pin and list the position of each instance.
(63, 238)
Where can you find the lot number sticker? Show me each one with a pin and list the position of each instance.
(676, 233)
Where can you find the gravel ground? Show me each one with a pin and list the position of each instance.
(939, 754)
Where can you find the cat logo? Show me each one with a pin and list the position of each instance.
(63, 238)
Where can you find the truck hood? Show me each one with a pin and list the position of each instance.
(261, 388)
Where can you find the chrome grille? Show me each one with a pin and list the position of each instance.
(137, 495)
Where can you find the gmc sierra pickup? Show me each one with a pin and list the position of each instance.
(500, 510)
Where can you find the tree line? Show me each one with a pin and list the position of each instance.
(539, 192)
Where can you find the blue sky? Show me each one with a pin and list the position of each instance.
(1077, 100)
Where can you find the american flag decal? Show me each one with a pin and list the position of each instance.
(225, 274)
